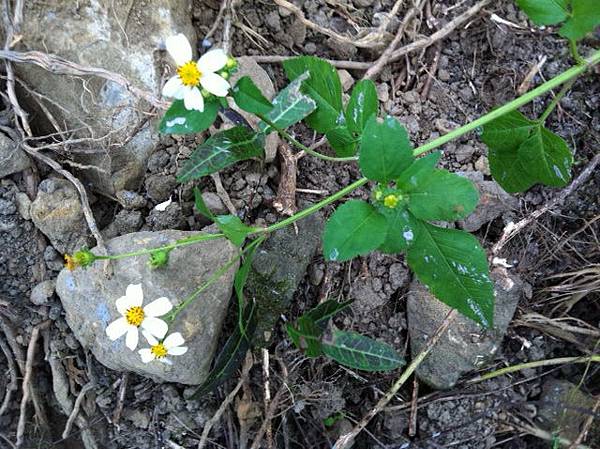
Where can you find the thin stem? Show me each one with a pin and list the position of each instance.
(511, 106)
(287, 136)
(575, 53)
(556, 100)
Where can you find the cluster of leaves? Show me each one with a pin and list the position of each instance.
(578, 17)
(310, 334)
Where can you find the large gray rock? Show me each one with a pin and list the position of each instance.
(465, 346)
(119, 36)
(88, 297)
(57, 212)
(278, 267)
(12, 158)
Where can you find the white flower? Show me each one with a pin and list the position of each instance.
(191, 74)
(134, 316)
(159, 350)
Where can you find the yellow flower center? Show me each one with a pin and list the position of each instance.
(135, 316)
(189, 74)
(159, 350)
(390, 201)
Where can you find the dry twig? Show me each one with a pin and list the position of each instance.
(13, 385)
(75, 412)
(285, 201)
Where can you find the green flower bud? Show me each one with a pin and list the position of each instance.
(224, 74)
(231, 63)
(82, 258)
(159, 258)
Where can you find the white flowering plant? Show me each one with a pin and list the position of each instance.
(409, 196)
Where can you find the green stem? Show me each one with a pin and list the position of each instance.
(513, 105)
(556, 100)
(287, 136)
(575, 53)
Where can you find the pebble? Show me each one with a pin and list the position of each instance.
(346, 79)
(42, 292)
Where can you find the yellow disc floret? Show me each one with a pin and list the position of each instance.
(189, 74)
(135, 316)
(390, 201)
(159, 350)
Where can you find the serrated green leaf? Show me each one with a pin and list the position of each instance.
(441, 195)
(222, 150)
(360, 352)
(402, 230)
(417, 170)
(545, 12)
(179, 120)
(454, 267)
(547, 157)
(584, 18)
(201, 206)
(233, 228)
(249, 97)
(232, 354)
(355, 228)
(306, 336)
(363, 104)
(321, 314)
(385, 150)
(342, 141)
(289, 106)
(323, 86)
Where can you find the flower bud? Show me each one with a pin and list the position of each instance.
(224, 74)
(231, 63)
(82, 258)
(159, 258)
(391, 201)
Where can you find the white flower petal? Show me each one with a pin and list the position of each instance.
(192, 99)
(173, 88)
(123, 303)
(117, 328)
(131, 341)
(178, 350)
(158, 307)
(179, 48)
(135, 294)
(212, 61)
(155, 326)
(163, 206)
(215, 84)
(146, 354)
(150, 338)
(174, 339)
(165, 361)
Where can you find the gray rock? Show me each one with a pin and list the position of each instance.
(297, 31)
(363, 3)
(88, 298)
(483, 165)
(343, 50)
(466, 345)
(160, 187)
(12, 158)
(57, 212)
(23, 205)
(346, 79)
(464, 153)
(278, 267)
(214, 203)
(130, 200)
(41, 293)
(170, 218)
(119, 36)
(273, 21)
(249, 67)
(563, 406)
(493, 202)
(125, 222)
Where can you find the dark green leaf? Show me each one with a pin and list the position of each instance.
(547, 158)
(584, 18)
(201, 206)
(241, 276)
(363, 104)
(385, 151)
(360, 352)
(249, 97)
(341, 141)
(306, 336)
(417, 170)
(454, 267)
(222, 150)
(233, 228)
(440, 195)
(545, 12)
(323, 86)
(402, 230)
(289, 106)
(232, 354)
(355, 228)
(179, 120)
(321, 314)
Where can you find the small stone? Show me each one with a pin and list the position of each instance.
(160, 187)
(214, 203)
(88, 298)
(464, 153)
(383, 92)
(316, 273)
(363, 3)
(170, 218)
(42, 292)
(456, 353)
(128, 221)
(342, 50)
(297, 31)
(12, 158)
(310, 48)
(284, 12)
(443, 75)
(138, 418)
(346, 79)
(483, 165)
(273, 21)
(411, 97)
(158, 161)
(57, 212)
(130, 200)
(23, 205)
(398, 275)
